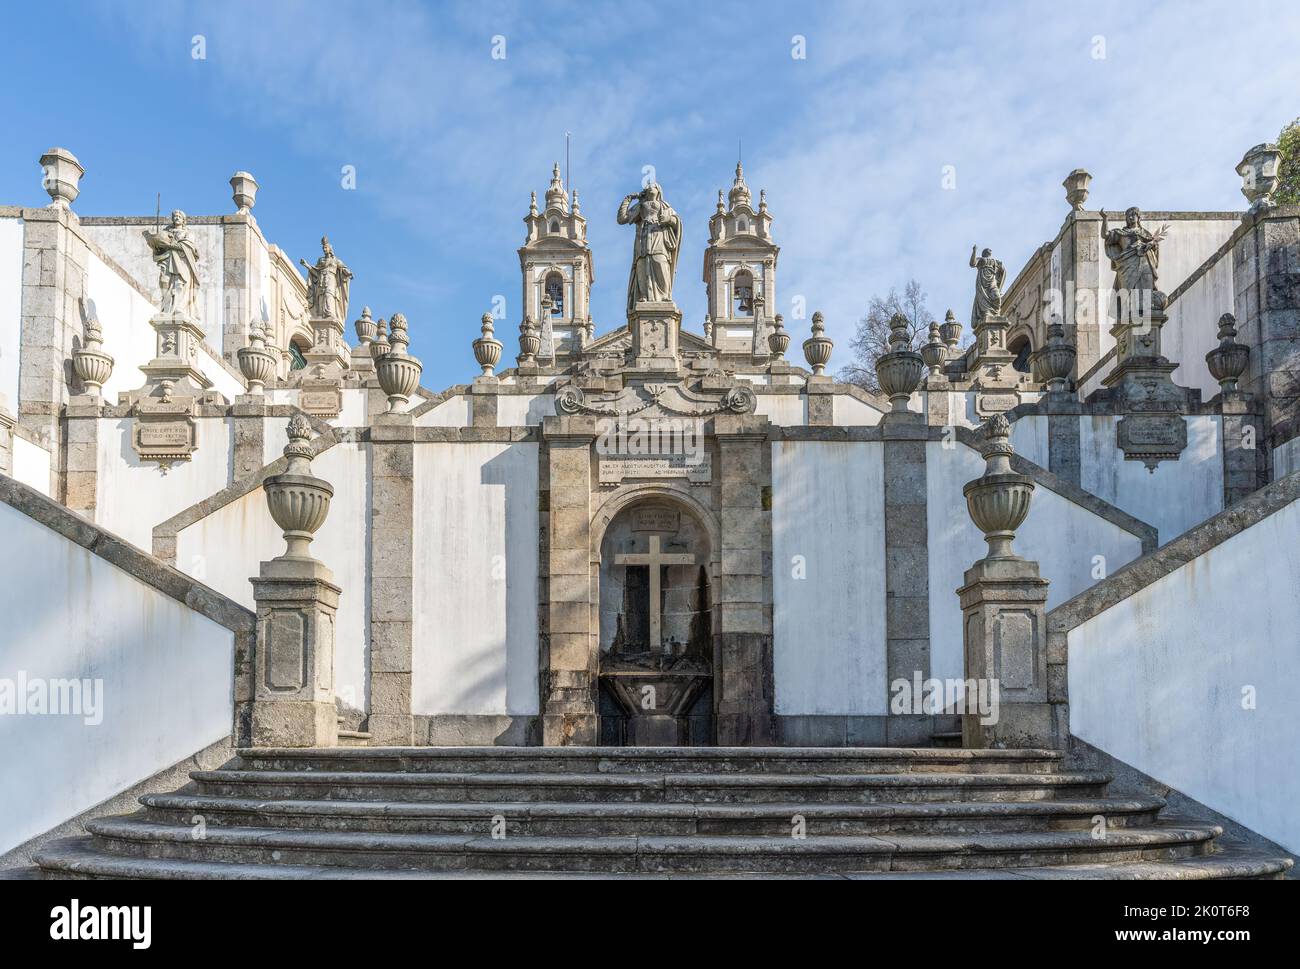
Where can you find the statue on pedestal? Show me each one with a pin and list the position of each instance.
(654, 253)
(1135, 256)
(177, 259)
(990, 275)
(327, 284)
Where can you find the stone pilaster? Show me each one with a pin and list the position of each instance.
(248, 427)
(743, 680)
(54, 271)
(483, 402)
(1266, 293)
(392, 588)
(820, 391)
(570, 662)
(1082, 300)
(1243, 465)
(81, 476)
(242, 291)
(907, 566)
(1063, 412)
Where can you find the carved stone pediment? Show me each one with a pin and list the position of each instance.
(657, 400)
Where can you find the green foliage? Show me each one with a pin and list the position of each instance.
(1288, 189)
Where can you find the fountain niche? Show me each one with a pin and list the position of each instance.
(656, 629)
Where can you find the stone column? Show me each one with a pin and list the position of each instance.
(54, 270)
(744, 696)
(1243, 466)
(1266, 292)
(7, 422)
(1004, 612)
(82, 471)
(293, 663)
(1082, 299)
(569, 651)
(392, 578)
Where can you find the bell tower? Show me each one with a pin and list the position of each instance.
(556, 265)
(740, 272)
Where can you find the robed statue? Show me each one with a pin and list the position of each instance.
(654, 253)
(177, 259)
(989, 276)
(327, 284)
(1134, 253)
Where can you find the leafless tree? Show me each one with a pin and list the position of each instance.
(872, 336)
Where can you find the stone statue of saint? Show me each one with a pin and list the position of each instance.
(989, 277)
(327, 284)
(1135, 256)
(654, 254)
(177, 259)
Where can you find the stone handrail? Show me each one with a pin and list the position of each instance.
(1141, 572)
(146, 568)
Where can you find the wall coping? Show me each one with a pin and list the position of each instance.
(119, 552)
(1192, 544)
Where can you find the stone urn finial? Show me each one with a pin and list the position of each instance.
(1259, 170)
(1228, 361)
(398, 371)
(951, 332)
(61, 177)
(243, 188)
(934, 353)
(487, 348)
(256, 362)
(899, 371)
(89, 362)
(1055, 359)
(817, 348)
(1076, 188)
(998, 502)
(380, 346)
(365, 327)
(778, 341)
(530, 342)
(298, 500)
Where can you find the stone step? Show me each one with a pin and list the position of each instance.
(656, 760)
(539, 819)
(77, 858)
(636, 786)
(739, 854)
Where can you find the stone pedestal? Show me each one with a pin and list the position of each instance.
(82, 481)
(1004, 614)
(655, 330)
(293, 665)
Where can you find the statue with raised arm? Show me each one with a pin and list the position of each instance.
(327, 284)
(1134, 254)
(177, 259)
(654, 252)
(989, 277)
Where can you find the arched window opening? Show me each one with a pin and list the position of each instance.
(1021, 348)
(742, 294)
(296, 360)
(555, 290)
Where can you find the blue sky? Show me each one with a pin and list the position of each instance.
(851, 142)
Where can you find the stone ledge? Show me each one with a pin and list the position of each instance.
(121, 553)
(1190, 545)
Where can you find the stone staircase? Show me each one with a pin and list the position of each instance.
(366, 812)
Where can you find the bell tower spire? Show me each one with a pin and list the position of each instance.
(557, 269)
(740, 271)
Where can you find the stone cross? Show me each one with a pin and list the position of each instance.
(654, 558)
